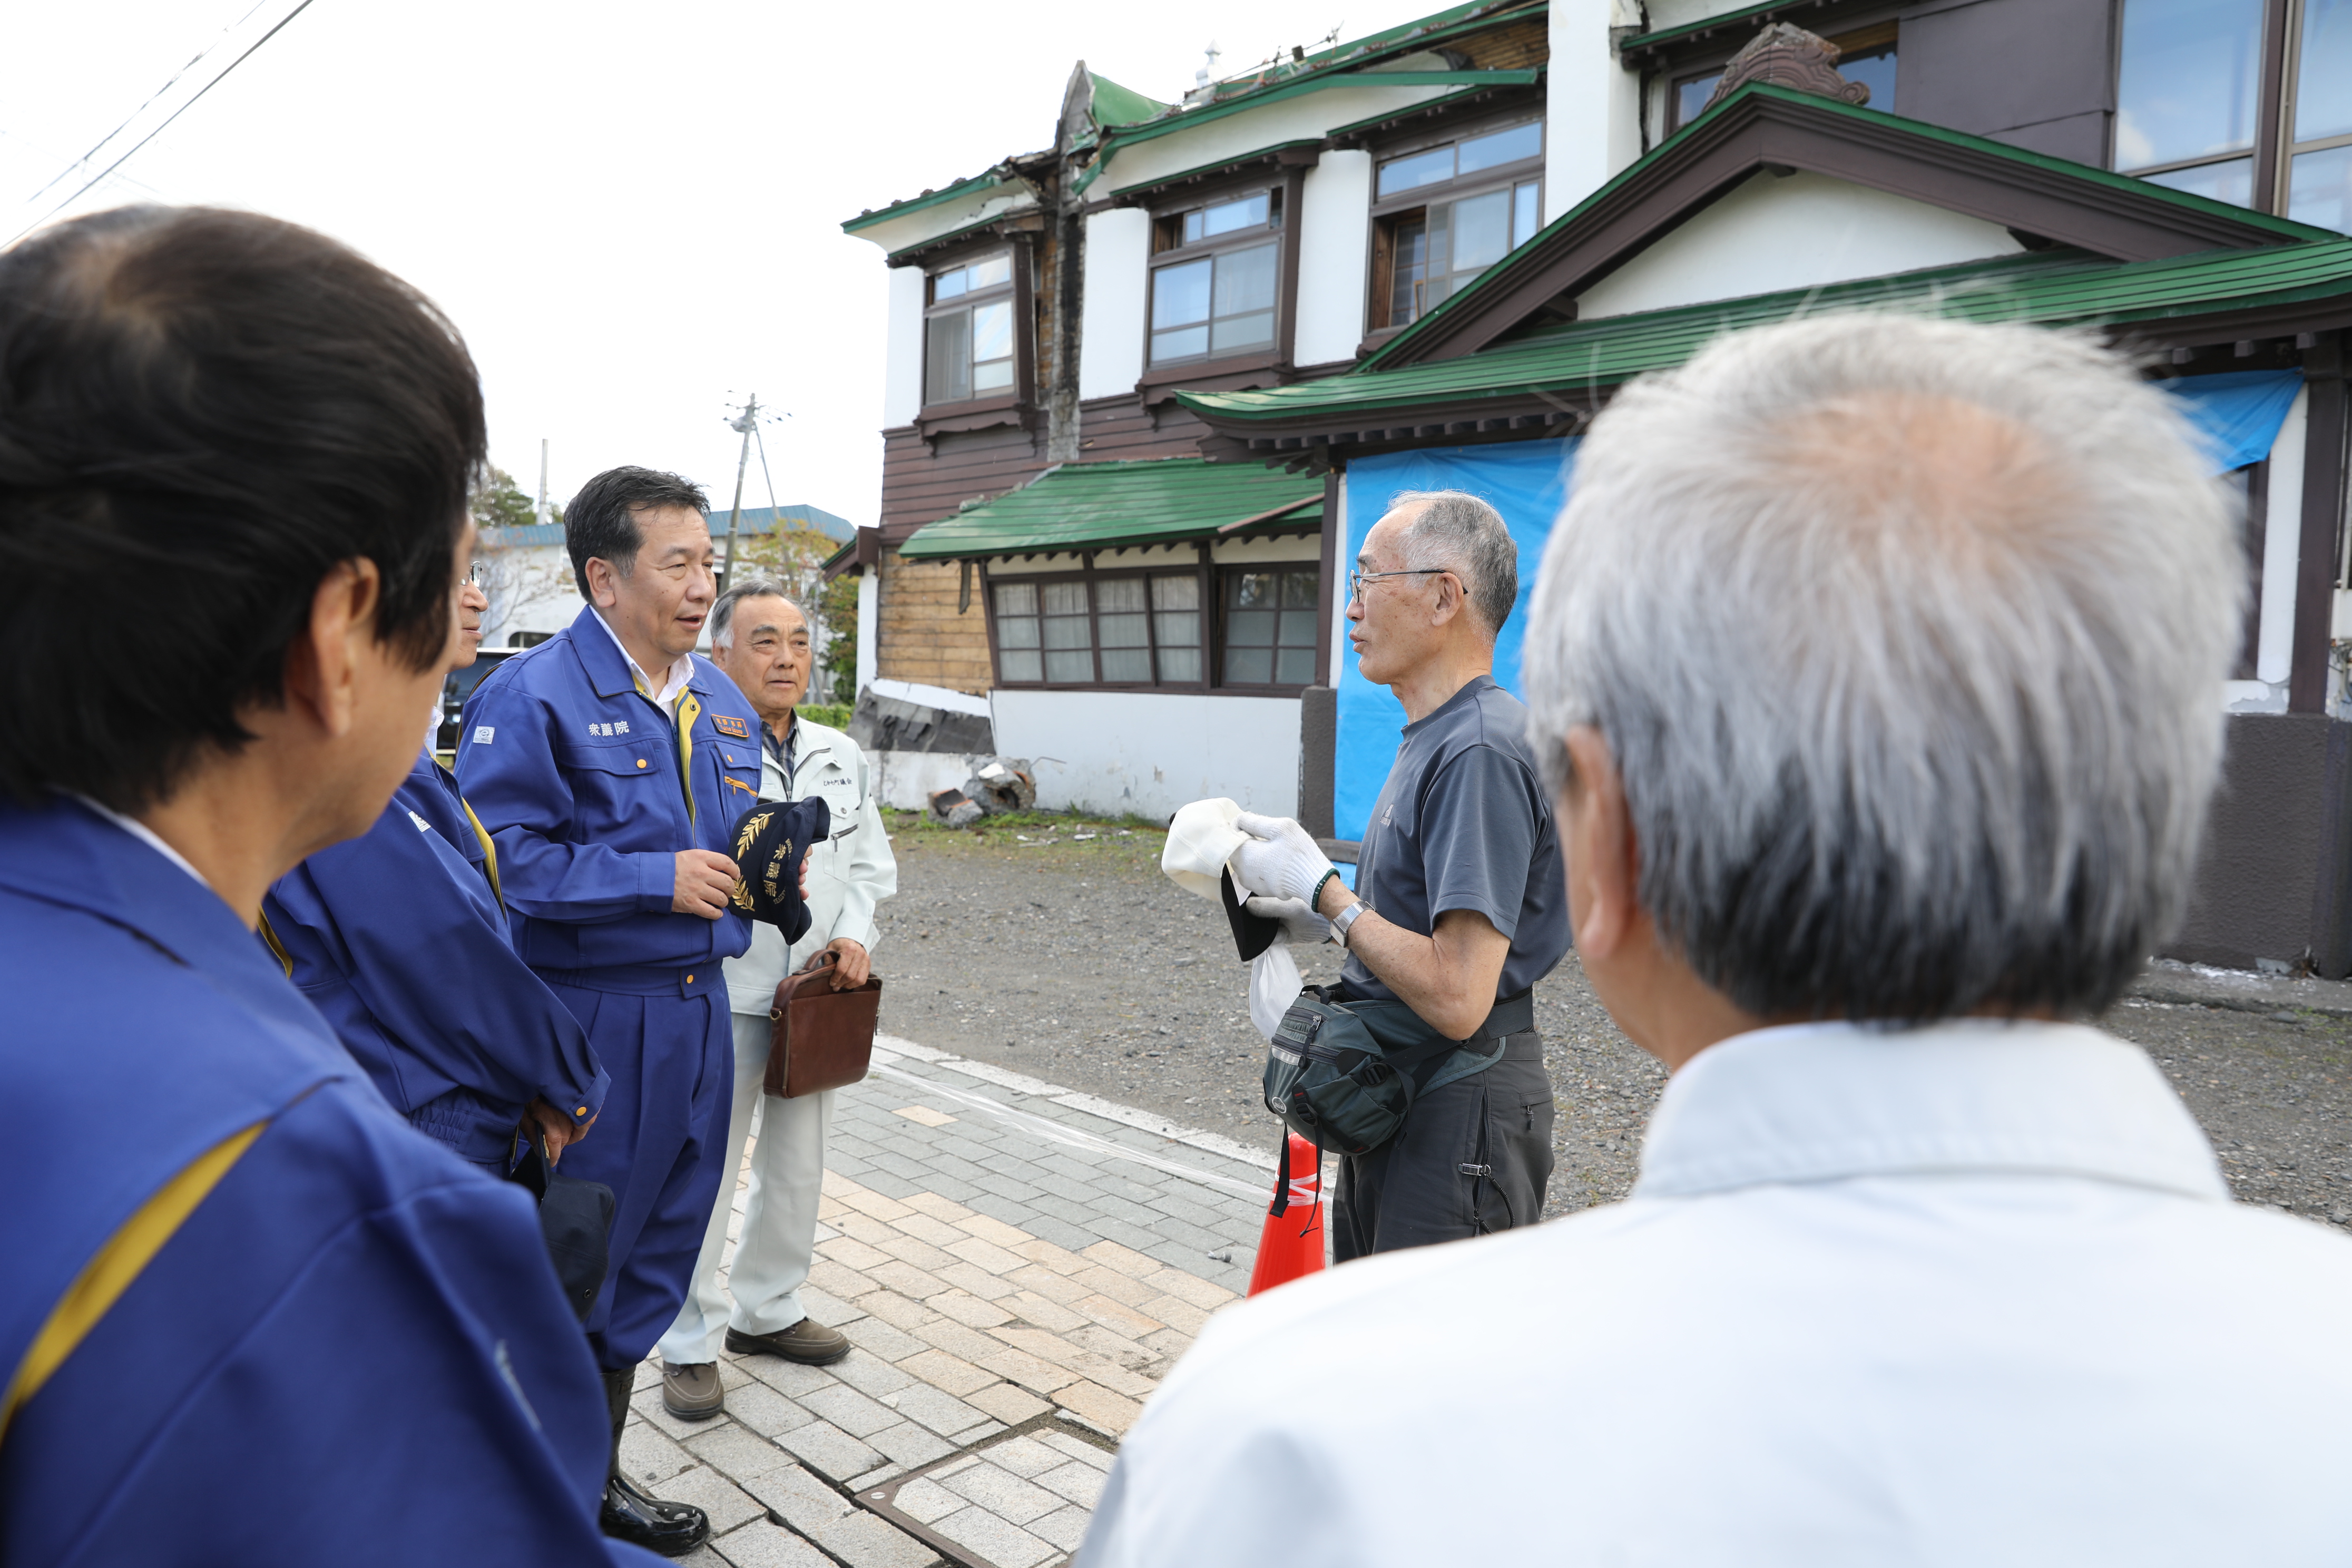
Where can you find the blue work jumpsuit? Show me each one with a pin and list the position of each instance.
(398, 939)
(590, 791)
(349, 1349)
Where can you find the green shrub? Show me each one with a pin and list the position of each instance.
(833, 715)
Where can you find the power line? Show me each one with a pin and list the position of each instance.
(96, 147)
(159, 130)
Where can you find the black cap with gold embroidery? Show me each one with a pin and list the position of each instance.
(772, 839)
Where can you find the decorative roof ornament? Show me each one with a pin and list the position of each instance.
(1785, 55)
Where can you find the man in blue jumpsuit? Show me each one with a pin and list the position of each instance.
(399, 939)
(609, 764)
(247, 1315)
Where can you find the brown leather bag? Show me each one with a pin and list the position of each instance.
(819, 1037)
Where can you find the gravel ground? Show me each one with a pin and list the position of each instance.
(1057, 948)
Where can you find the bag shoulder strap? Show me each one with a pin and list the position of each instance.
(107, 1276)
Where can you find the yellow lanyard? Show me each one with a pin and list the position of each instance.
(482, 835)
(688, 710)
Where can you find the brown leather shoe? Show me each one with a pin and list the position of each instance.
(807, 1341)
(692, 1392)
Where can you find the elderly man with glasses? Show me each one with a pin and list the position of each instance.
(1878, 670)
(1458, 908)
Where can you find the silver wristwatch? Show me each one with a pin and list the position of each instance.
(1343, 920)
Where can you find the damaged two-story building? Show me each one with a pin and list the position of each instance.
(1150, 387)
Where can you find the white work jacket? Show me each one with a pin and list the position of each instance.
(850, 873)
(1965, 1296)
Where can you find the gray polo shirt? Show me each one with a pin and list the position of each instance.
(1463, 824)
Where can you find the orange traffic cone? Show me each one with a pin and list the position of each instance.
(1292, 1243)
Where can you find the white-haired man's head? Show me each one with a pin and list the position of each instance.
(761, 639)
(1899, 641)
(1433, 583)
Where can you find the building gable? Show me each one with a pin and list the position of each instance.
(1767, 129)
(1791, 230)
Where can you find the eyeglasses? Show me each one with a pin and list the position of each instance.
(476, 570)
(1358, 578)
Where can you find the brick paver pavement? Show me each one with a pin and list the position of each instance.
(1016, 1264)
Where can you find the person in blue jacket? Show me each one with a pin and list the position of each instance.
(247, 1315)
(399, 938)
(609, 765)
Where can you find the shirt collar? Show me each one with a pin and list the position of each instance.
(147, 836)
(674, 680)
(1812, 1102)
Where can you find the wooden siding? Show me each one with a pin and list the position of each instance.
(920, 635)
(923, 482)
(1111, 428)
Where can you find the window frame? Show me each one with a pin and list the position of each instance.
(1385, 216)
(1281, 190)
(1227, 570)
(2275, 148)
(1017, 292)
(1208, 574)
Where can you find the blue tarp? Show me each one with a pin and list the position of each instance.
(1527, 481)
(2240, 412)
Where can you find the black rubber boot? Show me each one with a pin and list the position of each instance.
(671, 1529)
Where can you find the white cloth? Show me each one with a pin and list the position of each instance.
(1201, 839)
(848, 874)
(1968, 1295)
(673, 680)
(772, 1263)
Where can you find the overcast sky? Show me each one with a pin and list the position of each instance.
(632, 212)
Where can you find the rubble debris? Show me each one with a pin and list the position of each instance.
(1001, 786)
(953, 808)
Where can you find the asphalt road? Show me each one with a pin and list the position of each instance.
(1074, 960)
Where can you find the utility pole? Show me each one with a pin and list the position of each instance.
(538, 513)
(748, 422)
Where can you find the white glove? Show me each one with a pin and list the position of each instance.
(1279, 857)
(1301, 927)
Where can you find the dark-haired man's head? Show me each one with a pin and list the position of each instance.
(641, 553)
(262, 442)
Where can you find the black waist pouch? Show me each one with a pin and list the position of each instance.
(1342, 1074)
(1329, 1080)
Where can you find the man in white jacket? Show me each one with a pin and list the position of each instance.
(761, 639)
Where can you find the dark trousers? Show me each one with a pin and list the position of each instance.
(1472, 1157)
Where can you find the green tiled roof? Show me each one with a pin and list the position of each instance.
(916, 204)
(2051, 289)
(1098, 505)
(1117, 105)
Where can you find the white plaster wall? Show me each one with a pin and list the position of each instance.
(1306, 118)
(1791, 232)
(1266, 547)
(1333, 242)
(1110, 342)
(2282, 541)
(1149, 753)
(870, 628)
(1593, 106)
(905, 781)
(902, 353)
